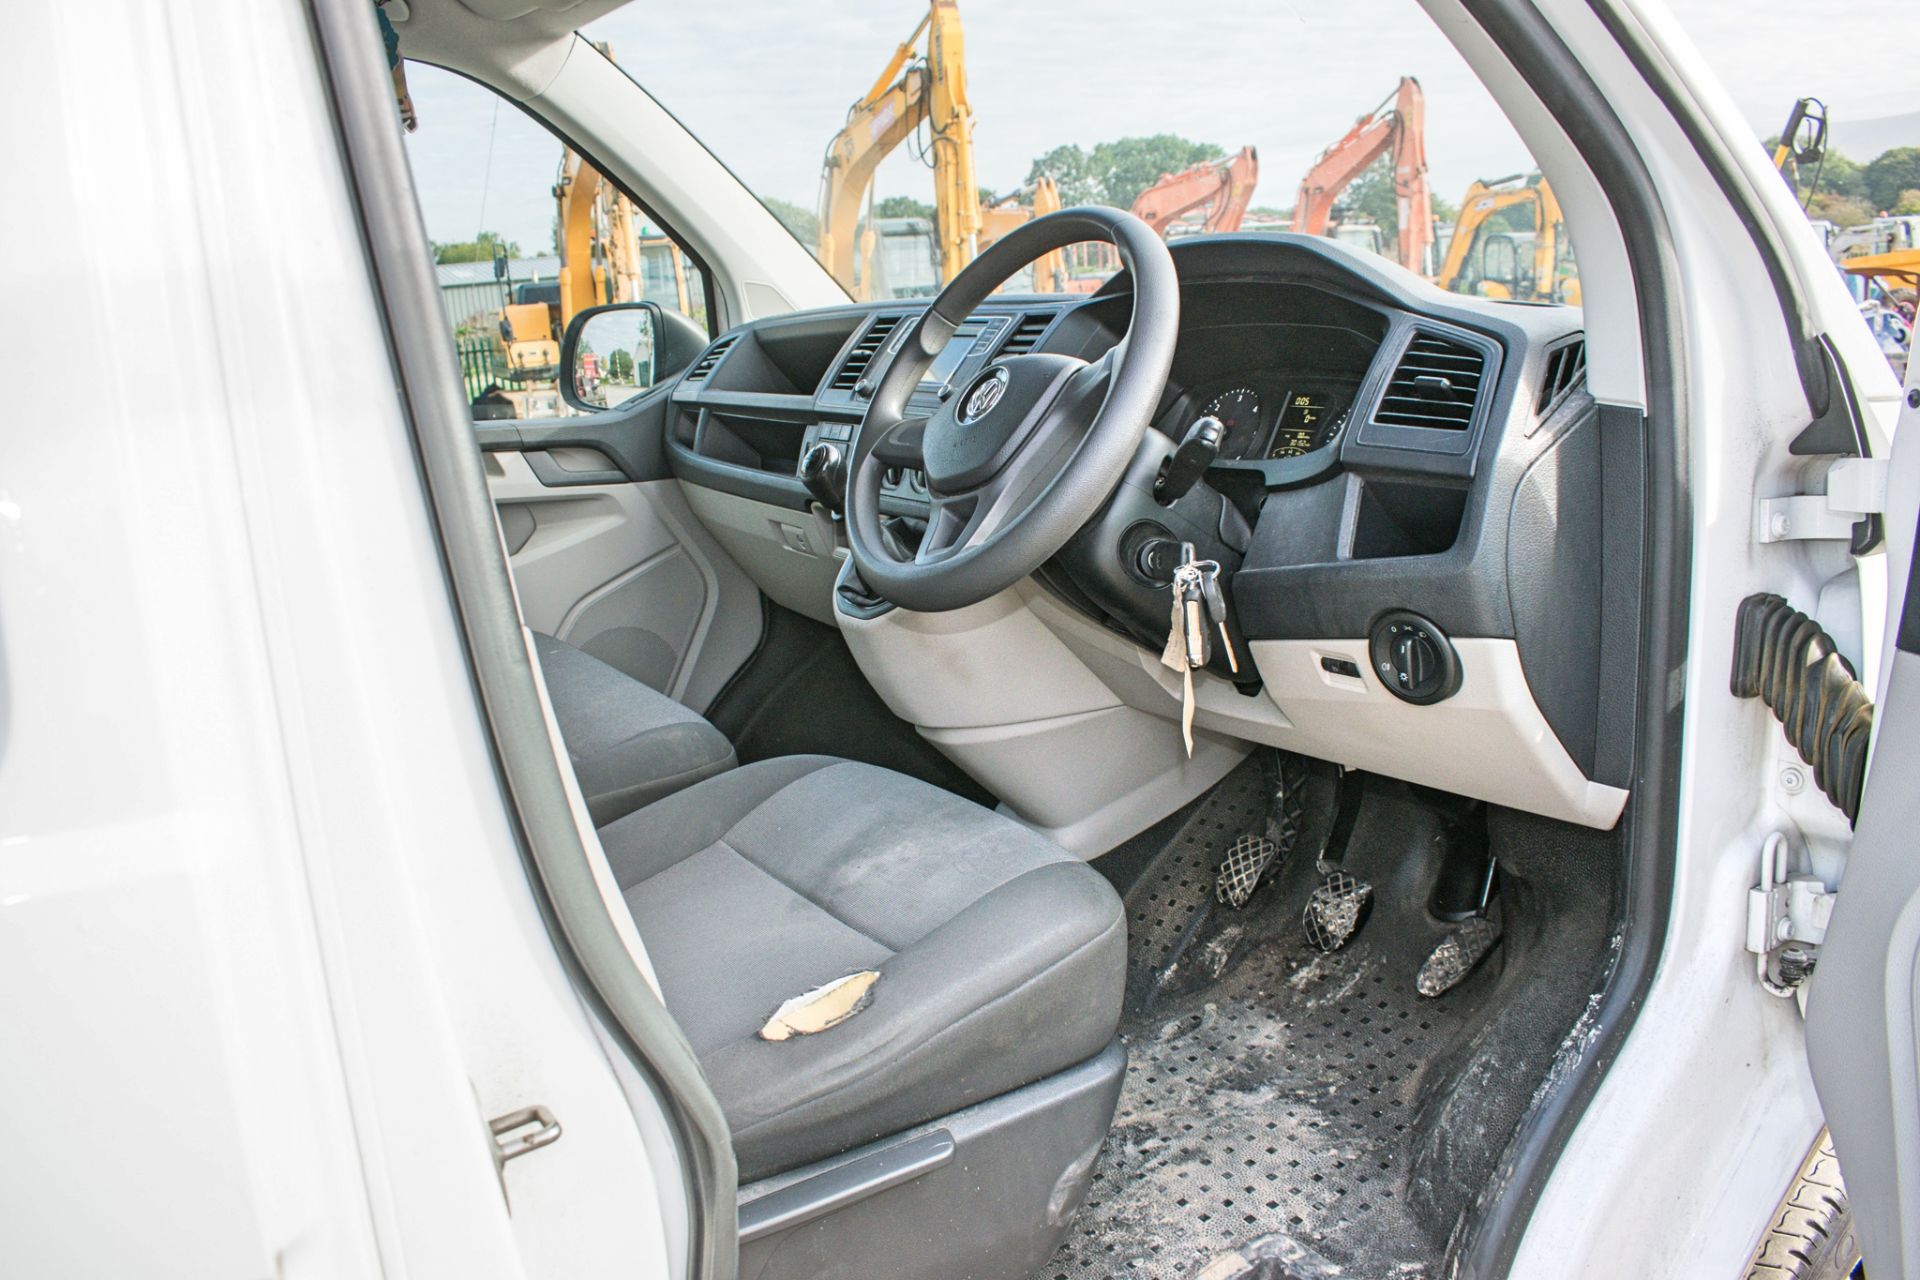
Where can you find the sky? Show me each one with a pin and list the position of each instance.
(766, 84)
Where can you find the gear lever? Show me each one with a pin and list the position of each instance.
(823, 469)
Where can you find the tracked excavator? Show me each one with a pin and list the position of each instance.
(1489, 255)
(1397, 127)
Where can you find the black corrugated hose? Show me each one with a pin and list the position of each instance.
(1784, 658)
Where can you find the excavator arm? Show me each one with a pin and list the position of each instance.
(909, 92)
(1223, 187)
(1397, 126)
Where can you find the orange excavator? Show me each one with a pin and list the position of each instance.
(1223, 188)
(1397, 125)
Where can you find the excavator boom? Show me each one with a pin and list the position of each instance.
(911, 91)
(1398, 126)
(1223, 188)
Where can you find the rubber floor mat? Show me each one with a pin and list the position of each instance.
(1273, 1090)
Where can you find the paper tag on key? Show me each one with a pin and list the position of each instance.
(1189, 640)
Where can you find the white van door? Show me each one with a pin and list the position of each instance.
(1863, 1001)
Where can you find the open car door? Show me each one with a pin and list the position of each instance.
(1863, 1002)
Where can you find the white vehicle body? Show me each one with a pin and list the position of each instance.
(272, 951)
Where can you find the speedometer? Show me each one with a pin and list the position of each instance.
(1239, 412)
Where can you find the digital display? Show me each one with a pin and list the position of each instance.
(1301, 426)
(969, 335)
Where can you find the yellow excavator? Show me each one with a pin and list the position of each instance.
(921, 90)
(607, 254)
(914, 90)
(1493, 260)
(1496, 261)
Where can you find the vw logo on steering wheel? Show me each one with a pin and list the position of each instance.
(986, 393)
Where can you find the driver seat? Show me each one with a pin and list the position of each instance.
(1001, 962)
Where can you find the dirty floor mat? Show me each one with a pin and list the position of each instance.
(1311, 1107)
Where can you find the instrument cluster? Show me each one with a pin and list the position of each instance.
(1273, 416)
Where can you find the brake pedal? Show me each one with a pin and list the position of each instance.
(1240, 873)
(1458, 955)
(1336, 910)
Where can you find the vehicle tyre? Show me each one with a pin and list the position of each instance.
(1811, 1236)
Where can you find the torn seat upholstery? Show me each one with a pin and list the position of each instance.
(630, 744)
(1002, 958)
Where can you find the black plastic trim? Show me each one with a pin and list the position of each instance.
(621, 434)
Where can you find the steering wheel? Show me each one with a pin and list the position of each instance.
(1026, 453)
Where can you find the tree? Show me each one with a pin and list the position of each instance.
(1893, 172)
(620, 365)
(1115, 173)
(1840, 176)
(902, 207)
(1841, 211)
(802, 222)
(1909, 202)
(478, 249)
(1068, 167)
(1371, 196)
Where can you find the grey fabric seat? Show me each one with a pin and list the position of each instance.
(1002, 958)
(630, 744)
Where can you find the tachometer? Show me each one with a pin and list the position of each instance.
(1239, 412)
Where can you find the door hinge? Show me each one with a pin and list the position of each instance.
(1787, 918)
(1856, 489)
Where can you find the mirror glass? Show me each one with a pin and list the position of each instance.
(614, 360)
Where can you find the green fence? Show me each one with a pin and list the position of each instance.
(479, 365)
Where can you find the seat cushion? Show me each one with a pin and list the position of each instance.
(1002, 958)
(630, 743)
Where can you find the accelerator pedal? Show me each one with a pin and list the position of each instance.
(1458, 955)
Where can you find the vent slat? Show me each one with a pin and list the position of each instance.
(1566, 366)
(1435, 386)
(709, 358)
(848, 375)
(1026, 334)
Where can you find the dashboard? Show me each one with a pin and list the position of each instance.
(1406, 476)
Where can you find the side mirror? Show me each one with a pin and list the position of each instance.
(613, 353)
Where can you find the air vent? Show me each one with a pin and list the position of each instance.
(1435, 385)
(709, 358)
(1565, 367)
(848, 375)
(1026, 334)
